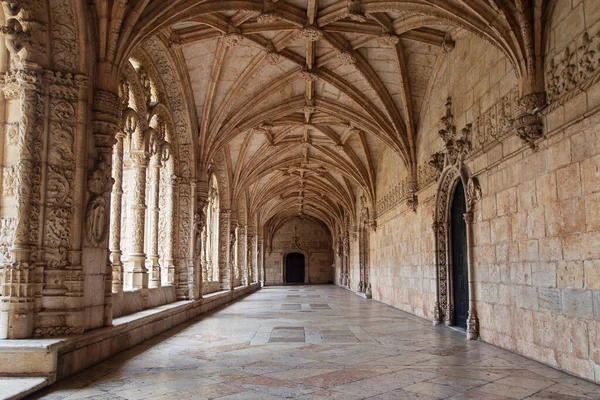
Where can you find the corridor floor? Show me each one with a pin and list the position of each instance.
(316, 342)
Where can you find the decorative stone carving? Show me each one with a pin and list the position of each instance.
(311, 33)
(271, 56)
(473, 193)
(26, 85)
(12, 133)
(388, 40)
(25, 31)
(232, 39)
(7, 234)
(402, 192)
(309, 75)
(573, 70)
(346, 56)
(495, 123)
(99, 184)
(9, 182)
(267, 17)
(528, 122)
(65, 47)
(456, 148)
(448, 44)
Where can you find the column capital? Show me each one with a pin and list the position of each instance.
(139, 158)
(468, 216)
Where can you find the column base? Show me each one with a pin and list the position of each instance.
(472, 326)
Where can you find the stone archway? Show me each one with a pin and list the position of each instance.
(443, 308)
(452, 170)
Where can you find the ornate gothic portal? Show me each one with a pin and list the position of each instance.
(159, 159)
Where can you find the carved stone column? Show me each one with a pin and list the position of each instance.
(203, 242)
(153, 259)
(346, 260)
(170, 246)
(17, 301)
(115, 220)
(226, 276)
(137, 257)
(261, 261)
(185, 227)
(234, 245)
(472, 320)
(437, 315)
(244, 260)
(199, 227)
(361, 260)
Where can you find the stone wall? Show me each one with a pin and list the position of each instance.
(537, 226)
(314, 242)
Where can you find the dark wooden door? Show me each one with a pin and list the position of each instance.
(460, 277)
(294, 268)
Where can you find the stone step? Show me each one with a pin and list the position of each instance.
(12, 388)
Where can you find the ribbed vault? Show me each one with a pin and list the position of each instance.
(299, 97)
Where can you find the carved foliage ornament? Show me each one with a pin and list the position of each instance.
(576, 65)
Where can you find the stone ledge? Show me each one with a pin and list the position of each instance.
(54, 359)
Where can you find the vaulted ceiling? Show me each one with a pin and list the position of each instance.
(302, 101)
(299, 97)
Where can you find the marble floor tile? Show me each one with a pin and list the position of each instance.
(357, 349)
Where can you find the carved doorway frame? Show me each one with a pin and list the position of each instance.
(284, 263)
(447, 184)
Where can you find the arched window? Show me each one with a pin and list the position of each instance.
(141, 245)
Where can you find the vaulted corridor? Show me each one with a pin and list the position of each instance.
(436, 162)
(317, 342)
